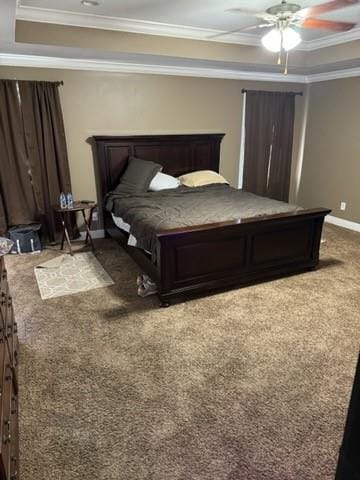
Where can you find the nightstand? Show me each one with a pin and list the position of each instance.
(77, 207)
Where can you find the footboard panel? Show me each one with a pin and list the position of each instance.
(238, 252)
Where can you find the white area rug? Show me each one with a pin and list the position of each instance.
(65, 275)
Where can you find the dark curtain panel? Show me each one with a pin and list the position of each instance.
(269, 127)
(46, 149)
(17, 202)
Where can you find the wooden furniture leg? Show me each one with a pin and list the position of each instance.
(65, 234)
(62, 239)
(87, 226)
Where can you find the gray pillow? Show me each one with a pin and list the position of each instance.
(137, 176)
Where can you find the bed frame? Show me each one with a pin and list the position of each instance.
(211, 256)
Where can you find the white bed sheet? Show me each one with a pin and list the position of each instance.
(119, 222)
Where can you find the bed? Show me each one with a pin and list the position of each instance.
(209, 256)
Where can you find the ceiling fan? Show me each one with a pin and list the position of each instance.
(285, 19)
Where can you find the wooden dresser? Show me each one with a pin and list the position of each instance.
(9, 448)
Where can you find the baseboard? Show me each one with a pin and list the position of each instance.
(94, 234)
(340, 222)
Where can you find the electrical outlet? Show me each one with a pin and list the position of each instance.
(343, 206)
(95, 216)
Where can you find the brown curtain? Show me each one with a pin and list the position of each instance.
(269, 126)
(17, 202)
(44, 148)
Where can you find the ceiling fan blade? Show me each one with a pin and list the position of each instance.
(247, 11)
(221, 34)
(326, 24)
(262, 25)
(326, 7)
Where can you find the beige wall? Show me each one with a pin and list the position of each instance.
(115, 41)
(331, 167)
(113, 104)
(334, 54)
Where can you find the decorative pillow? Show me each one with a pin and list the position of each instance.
(137, 176)
(201, 177)
(162, 181)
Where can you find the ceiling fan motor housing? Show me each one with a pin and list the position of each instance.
(283, 9)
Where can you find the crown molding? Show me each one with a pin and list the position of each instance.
(20, 60)
(334, 75)
(40, 61)
(88, 20)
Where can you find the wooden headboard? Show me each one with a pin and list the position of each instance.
(178, 154)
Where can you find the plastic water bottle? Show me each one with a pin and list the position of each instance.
(62, 200)
(69, 200)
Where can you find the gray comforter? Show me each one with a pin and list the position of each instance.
(150, 212)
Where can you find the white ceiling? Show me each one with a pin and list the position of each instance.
(19, 54)
(207, 14)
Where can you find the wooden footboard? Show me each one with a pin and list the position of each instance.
(233, 253)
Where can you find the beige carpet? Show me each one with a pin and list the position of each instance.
(251, 384)
(66, 274)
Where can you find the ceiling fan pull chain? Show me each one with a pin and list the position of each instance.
(286, 63)
(281, 48)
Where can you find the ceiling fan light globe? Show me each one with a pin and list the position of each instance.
(291, 38)
(272, 40)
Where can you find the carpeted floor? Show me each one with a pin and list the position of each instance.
(249, 384)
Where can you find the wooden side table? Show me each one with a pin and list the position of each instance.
(77, 207)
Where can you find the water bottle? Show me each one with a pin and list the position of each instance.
(69, 200)
(62, 200)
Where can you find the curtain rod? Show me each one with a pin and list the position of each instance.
(61, 82)
(245, 90)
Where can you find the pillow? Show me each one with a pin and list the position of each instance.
(162, 181)
(137, 176)
(201, 177)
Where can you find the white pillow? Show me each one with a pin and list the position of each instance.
(162, 181)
